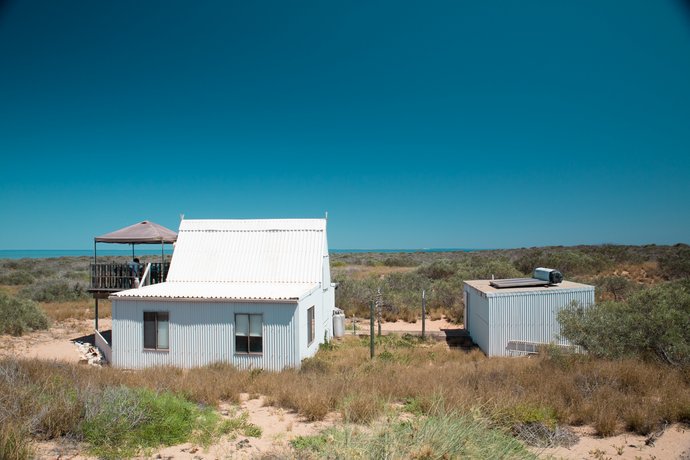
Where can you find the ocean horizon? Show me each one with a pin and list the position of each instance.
(55, 253)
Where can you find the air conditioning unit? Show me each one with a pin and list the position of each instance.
(548, 274)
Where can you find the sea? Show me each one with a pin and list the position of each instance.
(49, 253)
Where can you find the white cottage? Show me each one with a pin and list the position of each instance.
(253, 293)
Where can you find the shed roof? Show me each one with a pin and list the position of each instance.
(243, 251)
(485, 287)
(281, 292)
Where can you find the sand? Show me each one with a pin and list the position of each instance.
(52, 344)
(673, 443)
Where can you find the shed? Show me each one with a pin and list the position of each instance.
(253, 293)
(513, 321)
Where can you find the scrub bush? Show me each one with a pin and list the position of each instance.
(653, 324)
(55, 290)
(18, 316)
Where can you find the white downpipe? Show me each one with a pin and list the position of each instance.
(146, 277)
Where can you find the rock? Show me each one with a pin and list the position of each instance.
(224, 413)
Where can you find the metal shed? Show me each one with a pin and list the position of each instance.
(252, 293)
(514, 321)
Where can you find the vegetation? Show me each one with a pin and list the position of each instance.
(18, 316)
(439, 435)
(616, 271)
(47, 400)
(636, 376)
(653, 324)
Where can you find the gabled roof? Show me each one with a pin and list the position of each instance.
(258, 251)
(259, 260)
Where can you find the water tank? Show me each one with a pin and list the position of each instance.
(338, 322)
(548, 274)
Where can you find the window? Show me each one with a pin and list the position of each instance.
(156, 327)
(310, 325)
(248, 334)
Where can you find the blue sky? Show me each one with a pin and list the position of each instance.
(414, 124)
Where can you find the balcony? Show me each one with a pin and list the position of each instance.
(107, 278)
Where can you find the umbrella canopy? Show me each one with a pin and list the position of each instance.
(142, 233)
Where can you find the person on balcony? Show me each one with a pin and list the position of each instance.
(135, 267)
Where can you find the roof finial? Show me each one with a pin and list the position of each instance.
(182, 216)
(326, 216)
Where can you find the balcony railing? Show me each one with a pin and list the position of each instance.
(119, 277)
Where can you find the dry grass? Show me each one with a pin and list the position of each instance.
(360, 272)
(76, 309)
(612, 395)
(552, 390)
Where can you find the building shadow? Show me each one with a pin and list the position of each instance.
(458, 338)
(91, 339)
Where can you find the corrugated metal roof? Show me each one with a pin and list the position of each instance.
(260, 251)
(221, 291)
(485, 287)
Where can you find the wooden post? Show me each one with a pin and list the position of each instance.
(96, 313)
(371, 329)
(379, 307)
(423, 314)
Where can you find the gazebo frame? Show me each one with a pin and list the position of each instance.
(107, 279)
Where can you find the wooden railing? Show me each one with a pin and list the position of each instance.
(118, 277)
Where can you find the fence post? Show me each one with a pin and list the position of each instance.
(371, 329)
(423, 314)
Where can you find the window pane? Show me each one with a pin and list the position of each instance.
(242, 325)
(255, 326)
(256, 345)
(149, 329)
(241, 344)
(310, 325)
(163, 330)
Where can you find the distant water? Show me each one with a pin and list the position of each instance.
(46, 253)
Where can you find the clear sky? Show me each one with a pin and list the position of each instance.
(483, 124)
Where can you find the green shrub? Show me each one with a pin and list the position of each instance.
(120, 421)
(18, 316)
(440, 435)
(16, 278)
(55, 290)
(676, 264)
(651, 324)
(616, 286)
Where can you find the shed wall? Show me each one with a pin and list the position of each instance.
(494, 320)
(202, 333)
(477, 321)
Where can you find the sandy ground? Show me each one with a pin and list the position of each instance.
(280, 426)
(401, 326)
(53, 344)
(673, 443)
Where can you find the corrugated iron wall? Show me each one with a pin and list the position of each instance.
(477, 321)
(495, 319)
(202, 333)
(530, 316)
